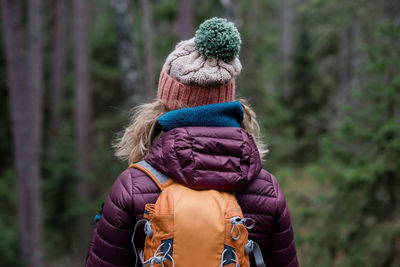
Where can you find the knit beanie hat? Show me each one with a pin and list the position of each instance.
(202, 70)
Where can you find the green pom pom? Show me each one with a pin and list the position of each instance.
(218, 38)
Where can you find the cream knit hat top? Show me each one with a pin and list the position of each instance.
(201, 70)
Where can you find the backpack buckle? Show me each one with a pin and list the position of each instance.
(249, 247)
(148, 230)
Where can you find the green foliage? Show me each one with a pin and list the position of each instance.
(361, 215)
(59, 192)
(216, 37)
(9, 246)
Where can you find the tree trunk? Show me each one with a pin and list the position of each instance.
(231, 12)
(126, 50)
(26, 101)
(82, 93)
(149, 51)
(341, 97)
(184, 25)
(58, 65)
(343, 64)
(287, 44)
(355, 80)
(228, 8)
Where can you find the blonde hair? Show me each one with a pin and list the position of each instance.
(250, 125)
(142, 131)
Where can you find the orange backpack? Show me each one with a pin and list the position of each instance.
(193, 228)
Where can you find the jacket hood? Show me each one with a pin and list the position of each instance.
(221, 158)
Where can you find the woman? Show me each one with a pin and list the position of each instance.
(197, 134)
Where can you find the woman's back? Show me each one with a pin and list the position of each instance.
(224, 158)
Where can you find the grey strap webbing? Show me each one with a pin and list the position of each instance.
(161, 177)
(258, 255)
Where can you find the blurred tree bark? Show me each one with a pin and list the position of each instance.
(148, 47)
(25, 76)
(231, 12)
(184, 24)
(82, 92)
(391, 9)
(287, 21)
(227, 5)
(349, 70)
(126, 49)
(58, 65)
(343, 64)
(356, 56)
(341, 96)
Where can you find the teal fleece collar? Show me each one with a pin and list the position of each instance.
(229, 114)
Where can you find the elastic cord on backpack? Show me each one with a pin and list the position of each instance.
(138, 224)
(236, 260)
(235, 221)
(251, 246)
(160, 257)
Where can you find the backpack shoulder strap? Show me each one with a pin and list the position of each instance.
(161, 180)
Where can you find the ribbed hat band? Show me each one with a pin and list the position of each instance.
(177, 95)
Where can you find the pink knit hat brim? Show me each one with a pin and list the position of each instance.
(177, 95)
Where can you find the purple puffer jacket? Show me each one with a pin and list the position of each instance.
(224, 158)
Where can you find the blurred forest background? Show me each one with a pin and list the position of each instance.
(323, 76)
